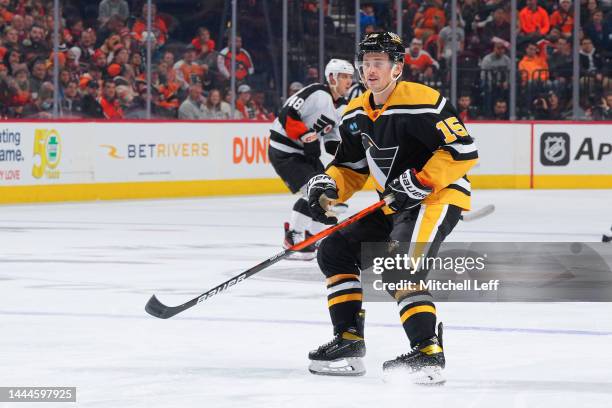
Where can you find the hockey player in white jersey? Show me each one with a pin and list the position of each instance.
(308, 120)
(355, 90)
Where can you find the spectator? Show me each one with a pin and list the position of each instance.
(109, 102)
(244, 103)
(369, 29)
(137, 64)
(73, 32)
(64, 79)
(548, 107)
(551, 40)
(11, 39)
(263, 113)
(71, 104)
(121, 58)
(603, 111)
(561, 61)
(168, 58)
(312, 75)
(590, 60)
(42, 105)
(367, 17)
(161, 106)
(599, 32)
(125, 95)
(500, 110)
(534, 20)
(533, 66)
(13, 60)
(421, 64)
(203, 37)
(563, 18)
(215, 108)
(113, 27)
(586, 12)
(428, 20)
(294, 87)
(110, 8)
(208, 62)
(138, 106)
(497, 27)
(445, 50)
(18, 23)
(5, 14)
(36, 45)
(496, 60)
(72, 62)
(21, 92)
(192, 107)
(465, 109)
(187, 70)
(87, 46)
(39, 75)
(158, 25)
(244, 63)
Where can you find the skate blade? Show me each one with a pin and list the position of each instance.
(301, 256)
(426, 376)
(348, 367)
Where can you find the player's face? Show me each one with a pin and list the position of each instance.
(343, 83)
(376, 71)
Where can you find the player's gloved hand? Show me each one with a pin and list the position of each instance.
(407, 191)
(322, 191)
(312, 147)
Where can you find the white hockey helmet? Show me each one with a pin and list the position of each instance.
(338, 66)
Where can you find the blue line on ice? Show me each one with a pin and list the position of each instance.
(310, 322)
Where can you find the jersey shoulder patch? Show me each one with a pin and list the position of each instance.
(412, 94)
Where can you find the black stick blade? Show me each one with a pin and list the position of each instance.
(157, 309)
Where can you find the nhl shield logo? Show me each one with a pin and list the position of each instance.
(555, 149)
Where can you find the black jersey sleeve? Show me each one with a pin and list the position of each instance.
(350, 167)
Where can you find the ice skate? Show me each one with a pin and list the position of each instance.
(343, 355)
(422, 365)
(293, 237)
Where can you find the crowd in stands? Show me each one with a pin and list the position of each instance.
(101, 59)
(101, 65)
(544, 49)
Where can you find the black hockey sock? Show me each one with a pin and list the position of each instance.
(300, 216)
(301, 206)
(418, 316)
(344, 300)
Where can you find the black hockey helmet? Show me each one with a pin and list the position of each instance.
(387, 42)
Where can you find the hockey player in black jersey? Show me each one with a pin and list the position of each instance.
(308, 120)
(409, 138)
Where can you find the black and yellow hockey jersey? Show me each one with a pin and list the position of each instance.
(416, 128)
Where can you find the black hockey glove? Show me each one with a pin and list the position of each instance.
(312, 147)
(322, 190)
(407, 191)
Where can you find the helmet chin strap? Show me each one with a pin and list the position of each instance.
(392, 82)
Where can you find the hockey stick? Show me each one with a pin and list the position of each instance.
(478, 214)
(156, 308)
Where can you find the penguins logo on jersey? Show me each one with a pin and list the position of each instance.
(380, 160)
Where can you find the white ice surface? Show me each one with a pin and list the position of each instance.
(74, 279)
